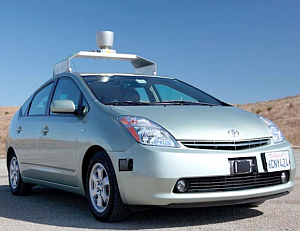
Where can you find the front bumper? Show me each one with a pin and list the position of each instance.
(157, 169)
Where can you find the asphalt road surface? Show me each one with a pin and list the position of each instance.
(49, 209)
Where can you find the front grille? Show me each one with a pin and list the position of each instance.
(233, 183)
(227, 145)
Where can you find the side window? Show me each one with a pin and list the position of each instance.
(143, 94)
(67, 89)
(40, 100)
(25, 106)
(167, 93)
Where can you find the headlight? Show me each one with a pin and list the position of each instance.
(147, 132)
(275, 131)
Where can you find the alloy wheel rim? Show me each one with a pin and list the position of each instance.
(14, 173)
(99, 189)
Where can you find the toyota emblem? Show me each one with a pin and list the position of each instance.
(233, 133)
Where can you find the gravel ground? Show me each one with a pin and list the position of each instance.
(49, 209)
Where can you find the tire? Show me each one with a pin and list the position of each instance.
(102, 190)
(16, 184)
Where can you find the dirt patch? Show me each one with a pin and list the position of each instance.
(6, 114)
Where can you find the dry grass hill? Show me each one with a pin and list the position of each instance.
(284, 112)
(6, 113)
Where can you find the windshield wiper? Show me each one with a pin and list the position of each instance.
(127, 103)
(169, 102)
(182, 102)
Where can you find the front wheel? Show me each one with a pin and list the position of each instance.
(102, 190)
(16, 184)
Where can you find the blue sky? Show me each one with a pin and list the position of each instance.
(238, 51)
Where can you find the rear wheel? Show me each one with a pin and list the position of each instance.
(102, 190)
(17, 186)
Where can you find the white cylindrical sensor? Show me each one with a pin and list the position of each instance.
(105, 39)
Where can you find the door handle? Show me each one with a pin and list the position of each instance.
(45, 130)
(19, 129)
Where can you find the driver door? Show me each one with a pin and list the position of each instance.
(58, 141)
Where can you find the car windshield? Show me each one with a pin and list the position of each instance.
(142, 90)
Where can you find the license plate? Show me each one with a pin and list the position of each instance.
(278, 161)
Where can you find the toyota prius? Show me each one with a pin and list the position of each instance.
(142, 140)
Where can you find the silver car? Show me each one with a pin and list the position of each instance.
(140, 140)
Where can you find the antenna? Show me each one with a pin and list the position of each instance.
(74, 65)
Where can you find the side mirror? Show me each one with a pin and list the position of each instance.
(62, 106)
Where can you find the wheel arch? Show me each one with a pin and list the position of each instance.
(86, 160)
(10, 151)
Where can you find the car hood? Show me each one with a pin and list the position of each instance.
(201, 122)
